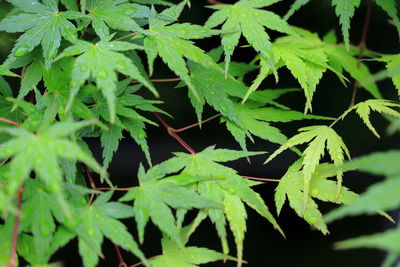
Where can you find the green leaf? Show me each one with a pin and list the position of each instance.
(393, 69)
(172, 43)
(294, 7)
(41, 24)
(236, 215)
(248, 20)
(101, 61)
(112, 14)
(363, 109)
(385, 241)
(41, 152)
(318, 137)
(390, 7)
(4, 71)
(291, 187)
(378, 163)
(345, 11)
(175, 255)
(30, 79)
(96, 222)
(378, 197)
(109, 141)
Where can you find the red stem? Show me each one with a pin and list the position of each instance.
(195, 124)
(362, 46)
(215, 2)
(140, 263)
(261, 179)
(121, 260)
(13, 253)
(10, 121)
(172, 133)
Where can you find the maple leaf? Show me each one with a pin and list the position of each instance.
(363, 109)
(128, 105)
(113, 14)
(41, 152)
(100, 220)
(256, 120)
(172, 43)
(175, 255)
(42, 24)
(393, 69)
(291, 186)
(318, 137)
(245, 18)
(100, 61)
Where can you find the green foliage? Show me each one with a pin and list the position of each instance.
(76, 72)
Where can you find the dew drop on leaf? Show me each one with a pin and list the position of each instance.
(229, 47)
(102, 74)
(128, 12)
(231, 190)
(22, 50)
(83, 68)
(315, 191)
(90, 232)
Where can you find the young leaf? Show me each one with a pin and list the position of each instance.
(172, 43)
(101, 61)
(318, 138)
(363, 109)
(345, 11)
(390, 7)
(109, 141)
(245, 18)
(41, 24)
(97, 222)
(113, 14)
(41, 152)
(291, 186)
(378, 197)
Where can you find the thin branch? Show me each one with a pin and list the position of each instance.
(362, 46)
(215, 2)
(162, 80)
(140, 263)
(13, 253)
(125, 36)
(195, 124)
(89, 177)
(261, 179)
(174, 135)
(10, 121)
(121, 260)
(115, 189)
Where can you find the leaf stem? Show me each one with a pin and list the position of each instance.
(261, 179)
(121, 260)
(173, 134)
(140, 263)
(196, 124)
(362, 46)
(10, 121)
(13, 252)
(341, 117)
(215, 2)
(125, 36)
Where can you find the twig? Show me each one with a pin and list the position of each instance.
(215, 2)
(13, 253)
(115, 189)
(92, 197)
(172, 133)
(121, 260)
(125, 36)
(261, 179)
(162, 80)
(140, 263)
(362, 46)
(10, 121)
(195, 124)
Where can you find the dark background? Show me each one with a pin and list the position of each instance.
(263, 245)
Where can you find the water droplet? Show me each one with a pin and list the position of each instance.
(121, 64)
(90, 232)
(212, 93)
(229, 47)
(315, 191)
(231, 190)
(311, 219)
(102, 74)
(128, 12)
(83, 68)
(22, 50)
(173, 14)
(256, 14)
(73, 84)
(34, 3)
